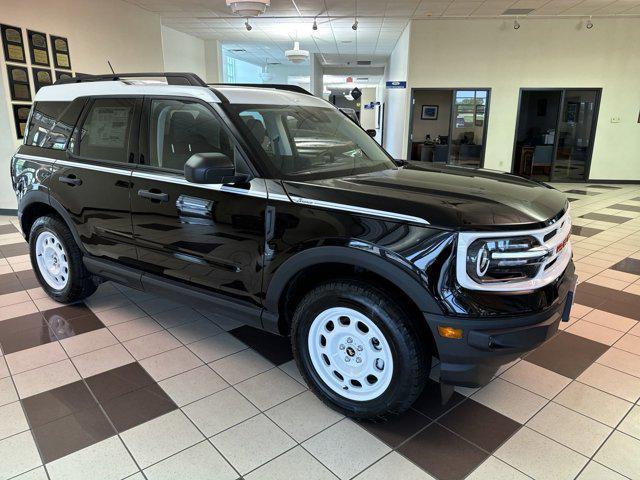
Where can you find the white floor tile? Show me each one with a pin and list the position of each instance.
(252, 443)
(621, 453)
(160, 438)
(540, 457)
(106, 460)
(346, 449)
(201, 461)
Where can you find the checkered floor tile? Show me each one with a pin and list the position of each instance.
(126, 385)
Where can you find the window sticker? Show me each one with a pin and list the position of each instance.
(109, 126)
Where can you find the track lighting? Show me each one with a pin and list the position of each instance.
(355, 25)
(516, 24)
(589, 24)
(248, 26)
(315, 25)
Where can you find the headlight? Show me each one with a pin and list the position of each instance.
(491, 260)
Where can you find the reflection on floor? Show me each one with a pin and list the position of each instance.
(127, 385)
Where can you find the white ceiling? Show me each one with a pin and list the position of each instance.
(380, 22)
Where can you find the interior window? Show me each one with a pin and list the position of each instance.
(105, 133)
(179, 129)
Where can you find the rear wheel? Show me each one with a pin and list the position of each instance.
(358, 350)
(57, 261)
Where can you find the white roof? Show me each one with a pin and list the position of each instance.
(243, 95)
(269, 96)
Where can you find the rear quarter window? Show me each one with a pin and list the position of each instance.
(51, 123)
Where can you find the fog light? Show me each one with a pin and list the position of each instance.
(450, 332)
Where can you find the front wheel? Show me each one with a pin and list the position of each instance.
(57, 261)
(358, 350)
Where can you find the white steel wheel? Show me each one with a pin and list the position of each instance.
(52, 260)
(350, 354)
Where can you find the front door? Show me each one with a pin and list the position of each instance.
(207, 236)
(93, 183)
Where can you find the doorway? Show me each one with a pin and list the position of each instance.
(554, 133)
(449, 126)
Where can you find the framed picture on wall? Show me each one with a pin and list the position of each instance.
(20, 116)
(41, 78)
(429, 112)
(63, 75)
(38, 48)
(19, 85)
(12, 44)
(60, 47)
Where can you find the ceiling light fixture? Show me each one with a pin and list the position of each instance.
(247, 25)
(248, 8)
(315, 25)
(296, 55)
(516, 24)
(589, 24)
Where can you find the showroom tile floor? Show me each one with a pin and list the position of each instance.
(127, 385)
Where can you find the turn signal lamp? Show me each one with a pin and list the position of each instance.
(450, 332)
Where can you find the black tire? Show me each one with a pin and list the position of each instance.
(80, 283)
(411, 358)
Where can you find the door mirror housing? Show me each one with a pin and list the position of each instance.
(211, 168)
(371, 132)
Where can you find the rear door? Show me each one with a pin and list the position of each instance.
(207, 236)
(93, 183)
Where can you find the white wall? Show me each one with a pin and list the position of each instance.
(440, 126)
(317, 75)
(97, 31)
(542, 53)
(397, 100)
(213, 61)
(368, 116)
(183, 53)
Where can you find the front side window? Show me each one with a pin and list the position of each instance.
(178, 129)
(304, 142)
(106, 130)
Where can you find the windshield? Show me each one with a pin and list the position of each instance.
(303, 142)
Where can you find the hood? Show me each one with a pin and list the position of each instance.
(445, 196)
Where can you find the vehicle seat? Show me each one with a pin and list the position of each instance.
(183, 140)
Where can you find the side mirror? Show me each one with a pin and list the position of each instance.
(210, 168)
(371, 132)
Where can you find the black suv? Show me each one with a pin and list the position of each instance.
(271, 206)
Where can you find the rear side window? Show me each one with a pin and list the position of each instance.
(51, 123)
(43, 118)
(106, 130)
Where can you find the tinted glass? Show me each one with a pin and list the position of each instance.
(59, 135)
(43, 118)
(105, 132)
(311, 142)
(179, 129)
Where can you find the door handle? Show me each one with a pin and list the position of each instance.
(70, 180)
(156, 196)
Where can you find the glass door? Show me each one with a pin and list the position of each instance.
(468, 127)
(576, 129)
(536, 133)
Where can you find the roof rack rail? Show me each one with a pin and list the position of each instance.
(277, 86)
(173, 78)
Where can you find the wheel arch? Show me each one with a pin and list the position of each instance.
(293, 279)
(36, 204)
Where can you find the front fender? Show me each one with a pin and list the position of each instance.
(382, 262)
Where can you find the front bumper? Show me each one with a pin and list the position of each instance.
(488, 343)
